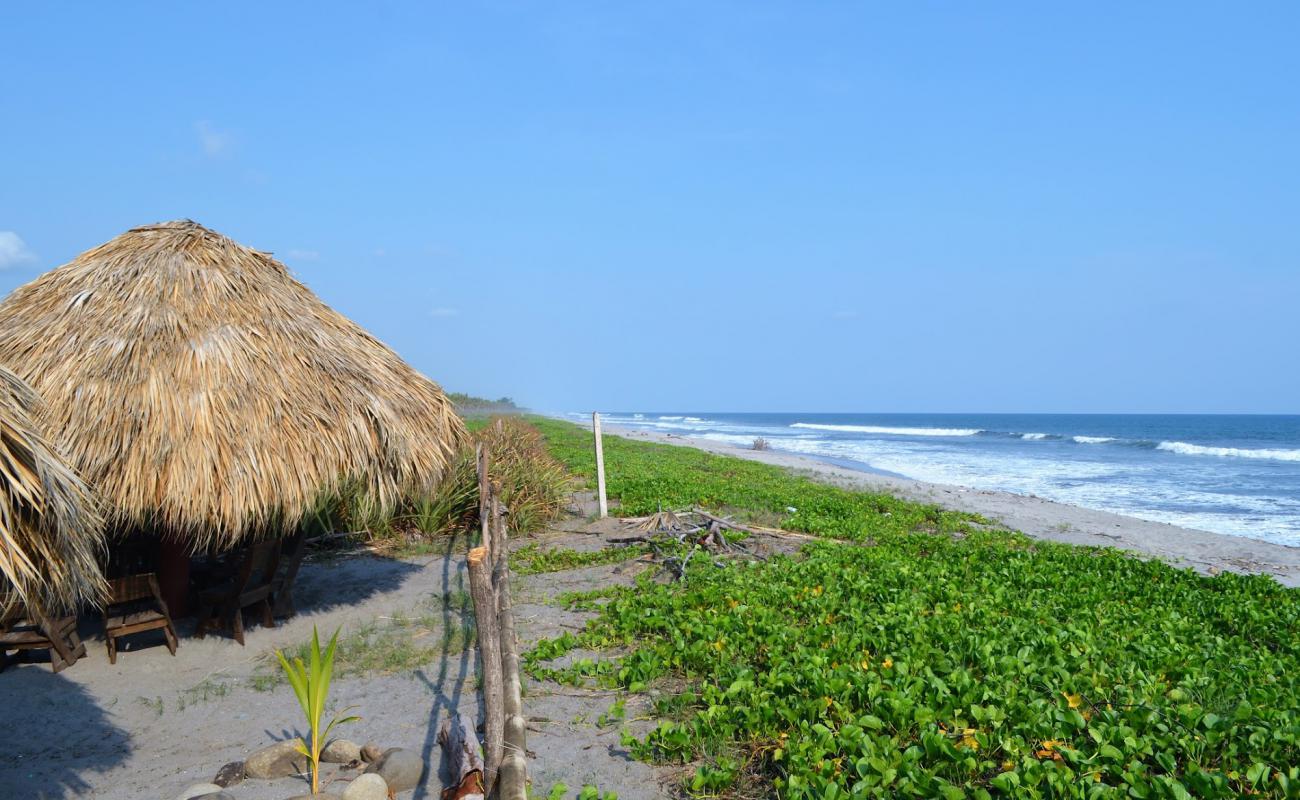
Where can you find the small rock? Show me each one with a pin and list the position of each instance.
(400, 769)
(279, 760)
(367, 787)
(371, 753)
(321, 796)
(230, 774)
(341, 751)
(215, 796)
(198, 790)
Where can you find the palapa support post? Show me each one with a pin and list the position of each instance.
(600, 465)
(513, 781)
(461, 749)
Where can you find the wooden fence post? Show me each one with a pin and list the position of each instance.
(600, 465)
(485, 524)
(489, 651)
(513, 782)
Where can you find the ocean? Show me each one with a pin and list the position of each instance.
(1230, 474)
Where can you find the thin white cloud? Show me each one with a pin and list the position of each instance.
(444, 312)
(215, 143)
(302, 255)
(14, 251)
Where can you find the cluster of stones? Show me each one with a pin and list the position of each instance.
(386, 771)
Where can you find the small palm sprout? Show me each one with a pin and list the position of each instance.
(311, 683)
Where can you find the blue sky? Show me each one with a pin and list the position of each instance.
(710, 206)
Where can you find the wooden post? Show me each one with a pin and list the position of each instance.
(497, 530)
(489, 650)
(485, 523)
(513, 783)
(600, 465)
(461, 748)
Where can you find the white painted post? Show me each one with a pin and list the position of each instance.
(600, 465)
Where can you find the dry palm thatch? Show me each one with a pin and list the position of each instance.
(206, 394)
(51, 533)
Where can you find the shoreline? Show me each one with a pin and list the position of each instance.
(1207, 553)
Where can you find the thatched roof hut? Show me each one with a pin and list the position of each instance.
(205, 393)
(51, 533)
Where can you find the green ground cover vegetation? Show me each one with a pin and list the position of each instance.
(917, 654)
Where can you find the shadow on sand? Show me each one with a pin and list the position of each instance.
(446, 690)
(63, 737)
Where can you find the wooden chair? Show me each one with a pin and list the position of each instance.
(252, 585)
(292, 549)
(22, 630)
(135, 605)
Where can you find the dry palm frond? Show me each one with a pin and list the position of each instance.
(200, 390)
(51, 533)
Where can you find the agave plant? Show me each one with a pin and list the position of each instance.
(311, 683)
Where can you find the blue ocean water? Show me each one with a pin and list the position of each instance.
(1237, 475)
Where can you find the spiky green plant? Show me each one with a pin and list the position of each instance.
(311, 684)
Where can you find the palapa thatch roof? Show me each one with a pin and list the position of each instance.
(205, 393)
(51, 533)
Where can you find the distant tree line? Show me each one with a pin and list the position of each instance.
(470, 403)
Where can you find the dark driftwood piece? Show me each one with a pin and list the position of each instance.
(489, 650)
(461, 749)
(513, 781)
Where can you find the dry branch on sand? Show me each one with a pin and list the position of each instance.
(51, 533)
(695, 530)
(199, 388)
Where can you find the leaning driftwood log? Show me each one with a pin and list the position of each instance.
(461, 749)
(489, 650)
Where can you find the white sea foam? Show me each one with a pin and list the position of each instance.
(694, 419)
(1034, 435)
(1228, 452)
(892, 431)
(1093, 439)
(671, 419)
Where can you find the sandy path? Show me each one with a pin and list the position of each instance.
(1044, 519)
(151, 725)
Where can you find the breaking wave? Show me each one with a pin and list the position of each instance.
(1228, 452)
(887, 430)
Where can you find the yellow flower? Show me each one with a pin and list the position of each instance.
(1007, 766)
(866, 662)
(817, 590)
(718, 645)
(970, 742)
(1073, 699)
(887, 663)
(829, 702)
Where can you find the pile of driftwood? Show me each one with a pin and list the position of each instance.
(499, 769)
(674, 537)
